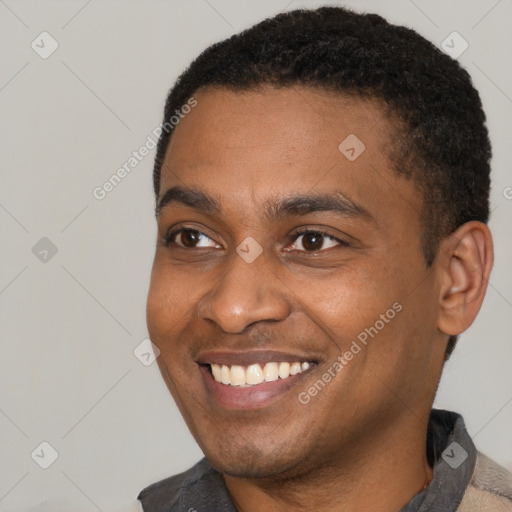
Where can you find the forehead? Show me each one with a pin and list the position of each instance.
(248, 146)
(289, 123)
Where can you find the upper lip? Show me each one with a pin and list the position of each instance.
(249, 357)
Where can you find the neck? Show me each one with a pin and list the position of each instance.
(384, 473)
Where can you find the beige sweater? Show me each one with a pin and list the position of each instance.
(490, 489)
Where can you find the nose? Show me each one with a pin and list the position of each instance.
(244, 294)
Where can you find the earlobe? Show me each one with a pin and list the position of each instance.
(466, 263)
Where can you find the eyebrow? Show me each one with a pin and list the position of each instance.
(276, 209)
(189, 196)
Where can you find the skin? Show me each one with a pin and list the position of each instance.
(339, 449)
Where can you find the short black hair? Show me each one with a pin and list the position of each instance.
(440, 136)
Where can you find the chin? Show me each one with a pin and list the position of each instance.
(252, 462)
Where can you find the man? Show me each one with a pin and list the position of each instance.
(322, 241)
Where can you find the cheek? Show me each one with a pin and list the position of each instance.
(167, 304)
(346, 302)
(167, 315)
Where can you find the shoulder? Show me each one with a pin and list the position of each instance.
(172, 493)
(490, 488)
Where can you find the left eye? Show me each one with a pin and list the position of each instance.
(314, 241)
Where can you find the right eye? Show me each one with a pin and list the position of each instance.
(189, 239)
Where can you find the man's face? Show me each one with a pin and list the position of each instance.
(271, 166)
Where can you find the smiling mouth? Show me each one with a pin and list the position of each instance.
(254, 374)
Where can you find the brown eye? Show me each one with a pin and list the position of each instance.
(189, 237)
(312, 241)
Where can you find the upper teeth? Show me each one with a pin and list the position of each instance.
(239, 376)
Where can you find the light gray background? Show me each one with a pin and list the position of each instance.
(69, 325)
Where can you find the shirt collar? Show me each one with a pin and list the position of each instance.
(452, 455)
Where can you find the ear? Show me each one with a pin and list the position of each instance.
(465, 266)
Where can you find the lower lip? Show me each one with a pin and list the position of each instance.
(254, 397)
